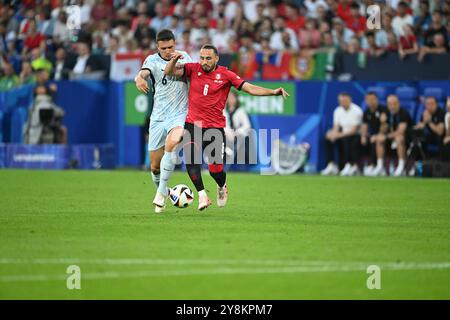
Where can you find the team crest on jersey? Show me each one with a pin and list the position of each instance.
(199, 74)
(218, 76)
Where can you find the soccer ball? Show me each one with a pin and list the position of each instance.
(181, 196)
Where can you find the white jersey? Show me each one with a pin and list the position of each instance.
(170, 93)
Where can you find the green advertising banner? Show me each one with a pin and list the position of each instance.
(270, 105)
(137, 105)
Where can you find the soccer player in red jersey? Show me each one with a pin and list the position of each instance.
(208, 92)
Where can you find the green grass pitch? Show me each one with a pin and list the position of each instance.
(280, 237)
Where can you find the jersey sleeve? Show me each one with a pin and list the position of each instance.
(149, 65)
(235, 80)
(188, 69)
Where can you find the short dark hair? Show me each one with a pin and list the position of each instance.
(371, 93)
(210, 47)
(345, 94)
(165, 35)
(432, 97)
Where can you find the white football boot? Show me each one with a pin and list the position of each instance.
(222, 196)
(344, 172)
(160, 202)
(203, 202)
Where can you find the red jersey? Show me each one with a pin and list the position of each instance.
(208, 93)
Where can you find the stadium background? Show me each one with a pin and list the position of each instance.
(122, 32)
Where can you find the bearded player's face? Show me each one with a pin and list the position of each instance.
(165, 48)
(208, 59)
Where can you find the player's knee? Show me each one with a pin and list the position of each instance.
(215, 168)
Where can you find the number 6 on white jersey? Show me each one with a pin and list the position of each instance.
(205, 90)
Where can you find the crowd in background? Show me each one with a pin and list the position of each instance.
(36, 35)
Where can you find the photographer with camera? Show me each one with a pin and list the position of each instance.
(44, 125)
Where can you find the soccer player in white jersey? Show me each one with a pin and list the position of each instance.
(170, 105)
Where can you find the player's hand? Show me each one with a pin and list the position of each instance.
(281, 92)
(176, 55)
(142, 85)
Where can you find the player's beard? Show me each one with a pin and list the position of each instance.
(208, 69)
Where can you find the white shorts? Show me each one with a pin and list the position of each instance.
(159, 129)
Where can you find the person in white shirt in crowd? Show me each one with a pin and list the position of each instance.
(221, 36)
(402, 19)
(347, 120)
(312, 5)
(283, 38)
(237, 128)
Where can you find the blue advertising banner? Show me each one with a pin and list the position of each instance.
(37, 157)
(93, 156)
(2, 155)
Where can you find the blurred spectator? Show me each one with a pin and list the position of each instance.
(347, 119)
(39, 61)
(185, 43)
(341, 34)
(437, 47)
(312, 7)
(26, 75)
(396, 137)
(372, 49)
(33, 39)
(142, 17)
(101, 10)
(221, 36)
(293, 19)
(200, 32)
(246, 58)
(283, 38)
(431, 128)
(437, 27)
(9, 79)
(60, 63)
(423, 20)
(354, 46)
(408, 42)
(123, 33)
(374, 120)
(84, 62)
(162, 19)
(309, 37)
(60, 30)
(343, 9)
(403, 18)
(392, 42)
(43, 80)
(355, 21)
(237, 129)
(446, 152)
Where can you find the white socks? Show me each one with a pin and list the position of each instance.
(167, 167)
(155, 178)
(202, 193)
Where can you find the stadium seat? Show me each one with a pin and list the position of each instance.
(1, 127)
(434, 92)
(18, 120)
(408, 99)
(411, 107)
(379, 91)
(420, 110)
(406, 93)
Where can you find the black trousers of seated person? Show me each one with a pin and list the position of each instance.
(446, 152)
(348, 148)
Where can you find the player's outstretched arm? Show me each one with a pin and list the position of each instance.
(172, 69)
(260, 91)
(141, 81)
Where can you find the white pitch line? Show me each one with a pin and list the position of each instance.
(226, 271)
